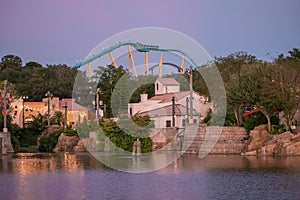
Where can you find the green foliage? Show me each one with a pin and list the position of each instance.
(28, 137)
(10, 62)
(86, 127)
(146, 85)
(119, 135)
(39, 123)
(277, 129)
(108, 78)
(251, 121)
(229, 119)
(70, 132)
(256, 119)
(48, 143)
(57, 119)
(29, 149)
(34, 80)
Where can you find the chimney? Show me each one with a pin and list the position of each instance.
(144, 97)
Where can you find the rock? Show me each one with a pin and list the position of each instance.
(75, 144)
(261, 143)
(66, 143)
(258, 137)
(79, 147)
(250, 153)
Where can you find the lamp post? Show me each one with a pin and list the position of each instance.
(49, 95)
(5, 135)
(173, 111)
(4, 105)
(23, 109)
(97, 102)
(191, 94)
(66, 114)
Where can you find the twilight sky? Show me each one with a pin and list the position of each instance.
(64, 31)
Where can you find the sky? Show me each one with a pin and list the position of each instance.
(65, 31)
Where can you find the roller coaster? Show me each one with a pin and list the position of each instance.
(144, 48)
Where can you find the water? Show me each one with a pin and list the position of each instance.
(81, 176)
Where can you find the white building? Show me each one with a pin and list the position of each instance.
(159, 107)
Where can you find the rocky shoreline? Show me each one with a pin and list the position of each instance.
(263, 143)
(260, 142)
(75, 144)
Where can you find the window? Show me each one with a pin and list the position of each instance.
(195, 121)
(156, 86)
(130, 111)
(168, 123)
(183, 122)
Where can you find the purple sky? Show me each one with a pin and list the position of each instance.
(56, 31)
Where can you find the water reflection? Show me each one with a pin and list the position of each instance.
(26, 163)
(81, 176)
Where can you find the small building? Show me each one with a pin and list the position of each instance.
(159, 107)
(33, 109)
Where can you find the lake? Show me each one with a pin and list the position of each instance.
(81, 176)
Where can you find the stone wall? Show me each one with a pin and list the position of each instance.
(230, 141)
(208, 139)
(163, 138)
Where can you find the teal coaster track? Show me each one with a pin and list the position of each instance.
(138, 46)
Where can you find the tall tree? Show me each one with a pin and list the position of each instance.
(10, 61)
(286, 79)
(254, 87)
(108, 77)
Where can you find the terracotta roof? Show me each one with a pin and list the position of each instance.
(167, 111)
(167, 81)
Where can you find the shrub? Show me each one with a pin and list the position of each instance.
(48, 143)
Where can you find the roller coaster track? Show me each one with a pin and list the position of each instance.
(138, 46)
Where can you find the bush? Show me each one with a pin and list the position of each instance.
(276, 129)
(48, 143)
(30, 149)
(70, 132)
(251, 121)
(123, 140)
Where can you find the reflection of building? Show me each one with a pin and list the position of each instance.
(74, 110)
(159, 107)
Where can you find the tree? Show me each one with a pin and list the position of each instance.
(125, 131)
(39, 122)
(285, 76)
(254, 87)
(108, 78)
(10, 62)
(58, 118)
(230, 68)
(33, 64)
(234, 63)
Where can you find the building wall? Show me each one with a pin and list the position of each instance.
(34, 108)
(162, 89)
(161, 121)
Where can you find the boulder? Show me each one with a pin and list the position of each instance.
(261, 143)
(66, 143)
(258, 137)
(79, 147)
